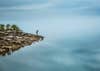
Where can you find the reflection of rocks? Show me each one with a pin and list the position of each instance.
(11, 41)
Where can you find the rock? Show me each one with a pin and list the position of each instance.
(11, 41)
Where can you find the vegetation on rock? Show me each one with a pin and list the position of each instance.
(13, 38)
(9, 27)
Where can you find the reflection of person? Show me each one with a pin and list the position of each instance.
(37, 32)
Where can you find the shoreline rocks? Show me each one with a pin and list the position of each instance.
(12, 40)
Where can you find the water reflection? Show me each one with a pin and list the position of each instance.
(63, 55)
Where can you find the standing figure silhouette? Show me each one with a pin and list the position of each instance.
(37, 32)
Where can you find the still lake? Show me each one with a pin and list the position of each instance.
(75, 47)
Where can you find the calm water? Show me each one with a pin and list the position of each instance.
(74, 46)
(60, 55)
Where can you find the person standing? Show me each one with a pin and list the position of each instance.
(37, 32)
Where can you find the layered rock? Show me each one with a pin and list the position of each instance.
(12, 40)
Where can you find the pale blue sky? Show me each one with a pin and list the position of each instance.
(62, 5)
(68, 17)
(40, 8)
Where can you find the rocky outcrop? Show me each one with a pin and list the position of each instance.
(12, 40)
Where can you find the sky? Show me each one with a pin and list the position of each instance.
(84, 6)
(74, 16)
(30, 9)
